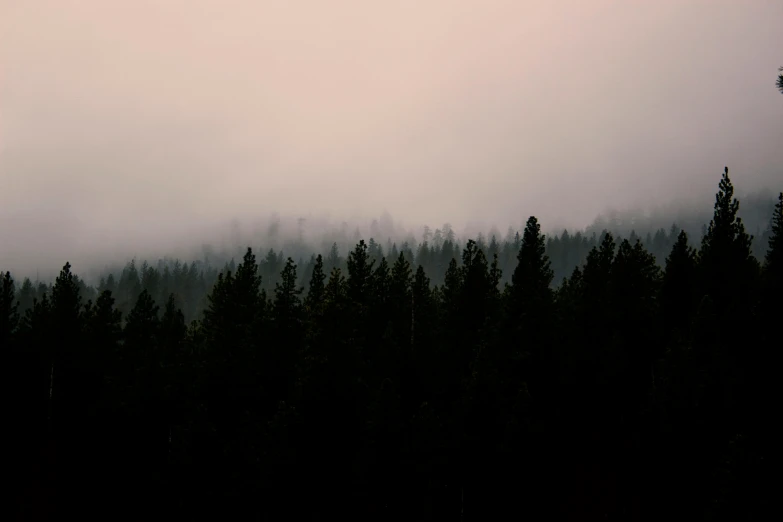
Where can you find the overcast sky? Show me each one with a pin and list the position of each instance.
(140, 118)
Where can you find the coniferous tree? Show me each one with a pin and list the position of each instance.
(143, 413)
(379, 287)
(287, 351)
(242, 375)
(678, 290)
(66, 316)
(66, 305)
(316, 290)
(400, 322)
(314, 308)
(235, 310)
(335, 385)
(150, 280)
(172, 336)
(374, 250)
(423, 310)
(103, 331)
(473, 306)
(590, 326)
(763, 372)
(530, 311)
(172, 330)
(129, 287)
(400, 286)
(494, 247)
(729, 275)
(26, 345)
(725, 258)
(26, 295)
(423, 334)
(288, 323)
(359, 273)
(452, 287)
(335, 295)
(724, 351)
(424, 254)
(271, 266)
(22, 377)
(333, 259)
(141, 327)
(530, 293)
(287, 298)
(635, 278)
(99, 368)
(36, 325)
(394, 252)
(175, 374)
(635, 281)
(104, 322)
(773, 260)
(217, 316)
(596, 273)
(9, 315)
(358, 291)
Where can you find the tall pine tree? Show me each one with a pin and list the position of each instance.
(9, 315)
(678, 292)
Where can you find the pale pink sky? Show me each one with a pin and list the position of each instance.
(115, 115)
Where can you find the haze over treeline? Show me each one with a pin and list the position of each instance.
(43, 242)
(217, 243)
(134, 127)
(191, 275)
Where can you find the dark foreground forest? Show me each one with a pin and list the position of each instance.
(469, 386)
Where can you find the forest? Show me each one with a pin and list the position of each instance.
(596, 375)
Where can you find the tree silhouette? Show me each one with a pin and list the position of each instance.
(359, 273)
(400, 298)
(66, 304)
(530, 294)
(530, 302)
(287, 301)
(9, 315)
(678, 292)
(725, 257)
(142, 323)
(774, 256)
(315, 293)
(172, 330)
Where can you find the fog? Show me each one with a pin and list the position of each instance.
(134, 127)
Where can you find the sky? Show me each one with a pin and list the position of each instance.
(124, 123)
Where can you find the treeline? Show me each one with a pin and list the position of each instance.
(447, 383)
(191, 282)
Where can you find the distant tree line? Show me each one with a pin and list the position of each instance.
(191, 282)
(572, 377)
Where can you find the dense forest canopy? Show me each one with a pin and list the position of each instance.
(590, 375)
